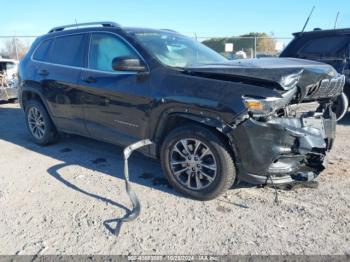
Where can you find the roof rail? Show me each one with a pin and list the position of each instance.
(104, 24)
(169, 30)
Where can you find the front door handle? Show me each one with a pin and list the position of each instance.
(43, 72)
(89, 79)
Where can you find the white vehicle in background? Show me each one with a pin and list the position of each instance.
(8, 79)
(241, 55)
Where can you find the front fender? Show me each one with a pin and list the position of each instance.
(196, 115)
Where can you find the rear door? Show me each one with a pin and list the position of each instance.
(115, 102)
(59, 79)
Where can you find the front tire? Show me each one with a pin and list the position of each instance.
(197, 163)
(39, 124)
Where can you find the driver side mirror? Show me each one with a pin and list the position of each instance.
(125, 63)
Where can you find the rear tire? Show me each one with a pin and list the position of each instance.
(41, 129)
(204, 169)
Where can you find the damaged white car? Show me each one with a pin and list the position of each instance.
(8, 80)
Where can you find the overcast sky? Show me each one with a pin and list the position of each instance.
(203, 17)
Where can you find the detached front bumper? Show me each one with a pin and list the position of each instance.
(287, 149)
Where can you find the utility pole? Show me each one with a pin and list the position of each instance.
(15, 43)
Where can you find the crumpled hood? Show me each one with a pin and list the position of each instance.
(271, 69)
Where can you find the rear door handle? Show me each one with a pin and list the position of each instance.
(89, 79)
(43, 72)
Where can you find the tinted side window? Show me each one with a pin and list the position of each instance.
(104, 48)
(42, 52)
(324, 46)
(68, 50)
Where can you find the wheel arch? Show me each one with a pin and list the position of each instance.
(30, 93)
(172, 120)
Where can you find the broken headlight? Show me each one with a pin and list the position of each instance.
(262, 106)
(265, 106)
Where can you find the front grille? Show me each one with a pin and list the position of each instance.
(313, 89)
(327, 88)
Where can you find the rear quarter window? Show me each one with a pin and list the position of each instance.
(42, 52)
(68, 50)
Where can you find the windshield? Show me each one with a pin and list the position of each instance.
(176, 50)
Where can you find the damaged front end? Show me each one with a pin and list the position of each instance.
(287, 137)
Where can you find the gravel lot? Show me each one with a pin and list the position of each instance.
(54, 200)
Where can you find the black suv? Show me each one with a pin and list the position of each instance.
(327, 46)
(212, 121)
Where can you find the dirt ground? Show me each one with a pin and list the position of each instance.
(55, 199)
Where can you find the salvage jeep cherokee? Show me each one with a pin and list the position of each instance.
(212, 121)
